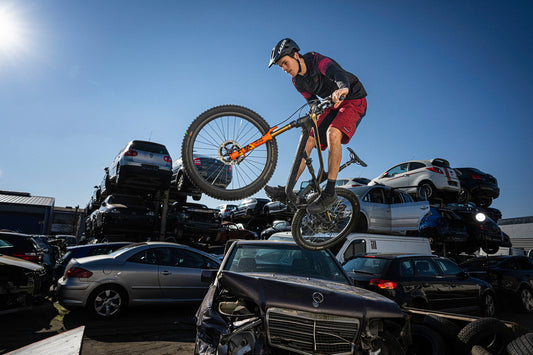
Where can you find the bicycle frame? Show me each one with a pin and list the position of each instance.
(306, 123)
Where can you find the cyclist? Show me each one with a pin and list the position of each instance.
(316, 75)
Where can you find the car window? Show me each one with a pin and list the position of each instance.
(5, 244)
(396, 196)
(416, 165)
(147, 256)
(424, 267)
(149, 147)
(186, 258)
(369, 265)
(376, 196)
(284, 260)
(356, 247)
(448, 267)
(398, 169)
(100, 250)
(406, 268)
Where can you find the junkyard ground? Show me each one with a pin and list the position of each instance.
(142, 330)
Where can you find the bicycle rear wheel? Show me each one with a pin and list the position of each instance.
(323, 230)
(209, 141)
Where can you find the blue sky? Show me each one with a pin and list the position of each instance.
(450, 79)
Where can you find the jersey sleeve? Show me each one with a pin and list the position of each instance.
(333, 71)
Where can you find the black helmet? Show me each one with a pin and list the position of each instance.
(284, 47)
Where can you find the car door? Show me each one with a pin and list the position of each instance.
(463, 291)
(377, 208)
(431, 283)
(141, 273)
(406, 213)
(180, 274)
(396, 176)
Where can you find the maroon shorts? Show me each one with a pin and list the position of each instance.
(345, 118)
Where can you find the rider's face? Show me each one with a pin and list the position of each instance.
(289, 65)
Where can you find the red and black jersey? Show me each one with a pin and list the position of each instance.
(324, 76)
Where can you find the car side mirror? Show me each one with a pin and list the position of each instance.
(208, 276)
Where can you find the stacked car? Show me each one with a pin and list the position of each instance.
(127, 200)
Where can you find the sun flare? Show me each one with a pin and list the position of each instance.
(11, 30)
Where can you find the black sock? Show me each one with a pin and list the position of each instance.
(330, 187)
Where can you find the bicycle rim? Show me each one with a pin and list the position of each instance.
(321, 231)
(214, 135)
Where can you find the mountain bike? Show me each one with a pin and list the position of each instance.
(221, 145)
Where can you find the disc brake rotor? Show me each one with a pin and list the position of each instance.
(224, 151)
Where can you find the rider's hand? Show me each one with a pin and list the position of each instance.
(337, 94)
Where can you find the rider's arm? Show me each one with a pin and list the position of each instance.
(333, 71)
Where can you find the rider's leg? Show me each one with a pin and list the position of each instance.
(278, 193)
(334, 137)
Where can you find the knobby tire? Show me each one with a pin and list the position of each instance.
(312, 235)
(240, 126)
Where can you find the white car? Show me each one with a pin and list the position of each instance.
(388, 211)
(352, 182)
(422, 177)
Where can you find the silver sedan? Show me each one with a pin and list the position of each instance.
(141, 273)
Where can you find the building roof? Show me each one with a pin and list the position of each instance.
(24, 198)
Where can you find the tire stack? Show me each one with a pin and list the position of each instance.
(485, 336)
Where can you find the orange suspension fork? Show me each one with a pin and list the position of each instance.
(265, 138)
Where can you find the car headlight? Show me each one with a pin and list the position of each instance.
(481, 217)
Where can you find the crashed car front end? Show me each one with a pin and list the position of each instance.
(253, 314)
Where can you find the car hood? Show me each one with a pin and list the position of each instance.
(298, 293)
(12, 261)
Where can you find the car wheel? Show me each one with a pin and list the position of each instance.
(107, 301)
(488, 304)
(526, 298)
(491, 249)
(428, 189)
(464, 196)
(490, 333)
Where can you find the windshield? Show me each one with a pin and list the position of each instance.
(367, 265)
(284, 259)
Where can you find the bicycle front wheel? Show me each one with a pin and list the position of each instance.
(323, 230)
(208, 143)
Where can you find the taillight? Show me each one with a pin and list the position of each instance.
(476, 177)
(28, 256)
(435, 170)
(130, 153)
(78, 272)
(168, 159)
(197, 161)
(383, 284)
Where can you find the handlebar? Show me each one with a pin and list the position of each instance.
(324, 104)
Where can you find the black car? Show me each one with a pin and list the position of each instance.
(212, 170)
(249, 207)
(484, 232)
(445, 230)
(510, 275)
(272, 297)
(422, 281)
(277, 226)
(477, 186)
(121, 214)
(80, 251)
(21, 246)
(193, 220)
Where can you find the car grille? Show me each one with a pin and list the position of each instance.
(310, 333)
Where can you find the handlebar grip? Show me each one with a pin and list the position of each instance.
(342, 97)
